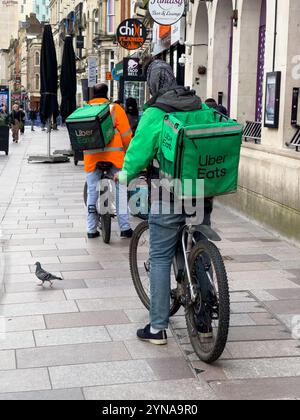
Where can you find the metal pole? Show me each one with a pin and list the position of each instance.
(49, 137)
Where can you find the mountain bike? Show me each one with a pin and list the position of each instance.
(198, 283)
(105, 211)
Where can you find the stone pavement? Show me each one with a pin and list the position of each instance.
(77, 341)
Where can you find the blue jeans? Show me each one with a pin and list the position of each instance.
(92, 179)
(163, 239)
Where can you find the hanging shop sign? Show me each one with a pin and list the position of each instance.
(132, 69)
(131, 34)
(166, 12)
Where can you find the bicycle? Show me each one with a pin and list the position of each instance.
(105, 211)
(198, 283)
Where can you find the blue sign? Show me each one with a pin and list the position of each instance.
(4, 96)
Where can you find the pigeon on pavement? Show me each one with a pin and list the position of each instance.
(44, 276)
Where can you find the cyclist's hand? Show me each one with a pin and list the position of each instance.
(116, 177)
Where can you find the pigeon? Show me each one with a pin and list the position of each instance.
(44, 276)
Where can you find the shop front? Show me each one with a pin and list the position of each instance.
(132, 83)
(168, 44)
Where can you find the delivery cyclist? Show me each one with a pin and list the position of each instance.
(115, 154)
(166, 97)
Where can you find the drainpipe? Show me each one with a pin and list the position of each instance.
(275, 33)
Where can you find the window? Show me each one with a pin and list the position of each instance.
(37, 58)
(96, 22)
(37, 82)
(110, 16)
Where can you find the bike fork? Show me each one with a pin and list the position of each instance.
(187, 248)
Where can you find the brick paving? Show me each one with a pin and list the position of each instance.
(77, 341)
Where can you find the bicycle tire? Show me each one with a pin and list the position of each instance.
(85, 194)
(134, 244)
(106, 227)
(224, 304)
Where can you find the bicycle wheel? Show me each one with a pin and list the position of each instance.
(85, 194)
(106, 227)
(212, 306)
(140, 268)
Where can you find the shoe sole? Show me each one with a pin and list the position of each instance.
(156, 342)
(207, 336)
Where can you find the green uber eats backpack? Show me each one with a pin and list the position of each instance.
(90, 127)
(200, 145)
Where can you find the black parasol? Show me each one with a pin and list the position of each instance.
(68, 80)
(49, 78)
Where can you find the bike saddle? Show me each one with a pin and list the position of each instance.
(208, 233)
(104, 166)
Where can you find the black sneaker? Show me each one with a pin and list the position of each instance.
(93, 235)
(158, 339)
(127, 234)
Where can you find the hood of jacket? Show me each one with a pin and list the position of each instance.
(177, 99)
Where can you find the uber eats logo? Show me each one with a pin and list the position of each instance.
(83, 133)
(211, 167)
(167, 141)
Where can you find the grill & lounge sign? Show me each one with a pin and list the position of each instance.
(166, 12)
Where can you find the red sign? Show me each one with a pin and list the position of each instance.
(131, 34)
(108, 75)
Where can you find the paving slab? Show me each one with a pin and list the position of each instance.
(106, 373)
(72, 354)
(60, 395)
(184, 389)
(22, 380)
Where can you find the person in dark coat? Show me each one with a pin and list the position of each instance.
(32, 117)
(15, 121)
(23, 115)
(132, 111)
(213, 104)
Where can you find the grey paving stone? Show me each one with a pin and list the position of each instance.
(84, 319)
(207, 372)
(258, 333)
(59, 253)
(264, 319)
(26, 323)
(30, 309)
(108, 292)
(16, 340)
(60, 395)
(72, 354)
(285, 307)
(246, 307)
(264, 349)
(64, 336)
(260, 283)
(258, 389)
(262, 368)
(184, 389)
(105, 373)
(22, 380)
(246, 258)
(237, 320)
(69, 267)
(32, 287)
(236, 297)
(88, 305)
(45, 295)
(170, 368)
(285, 294)
(141, 350)
(7, 359)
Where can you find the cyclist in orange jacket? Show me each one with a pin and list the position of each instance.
(114, 153)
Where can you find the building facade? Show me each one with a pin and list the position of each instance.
(245, 46)
(39, 7)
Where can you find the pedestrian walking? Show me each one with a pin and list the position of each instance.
(132, 111)
(33, 118)
(15, 121)
(23, 115)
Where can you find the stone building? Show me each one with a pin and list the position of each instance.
(245, 46)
